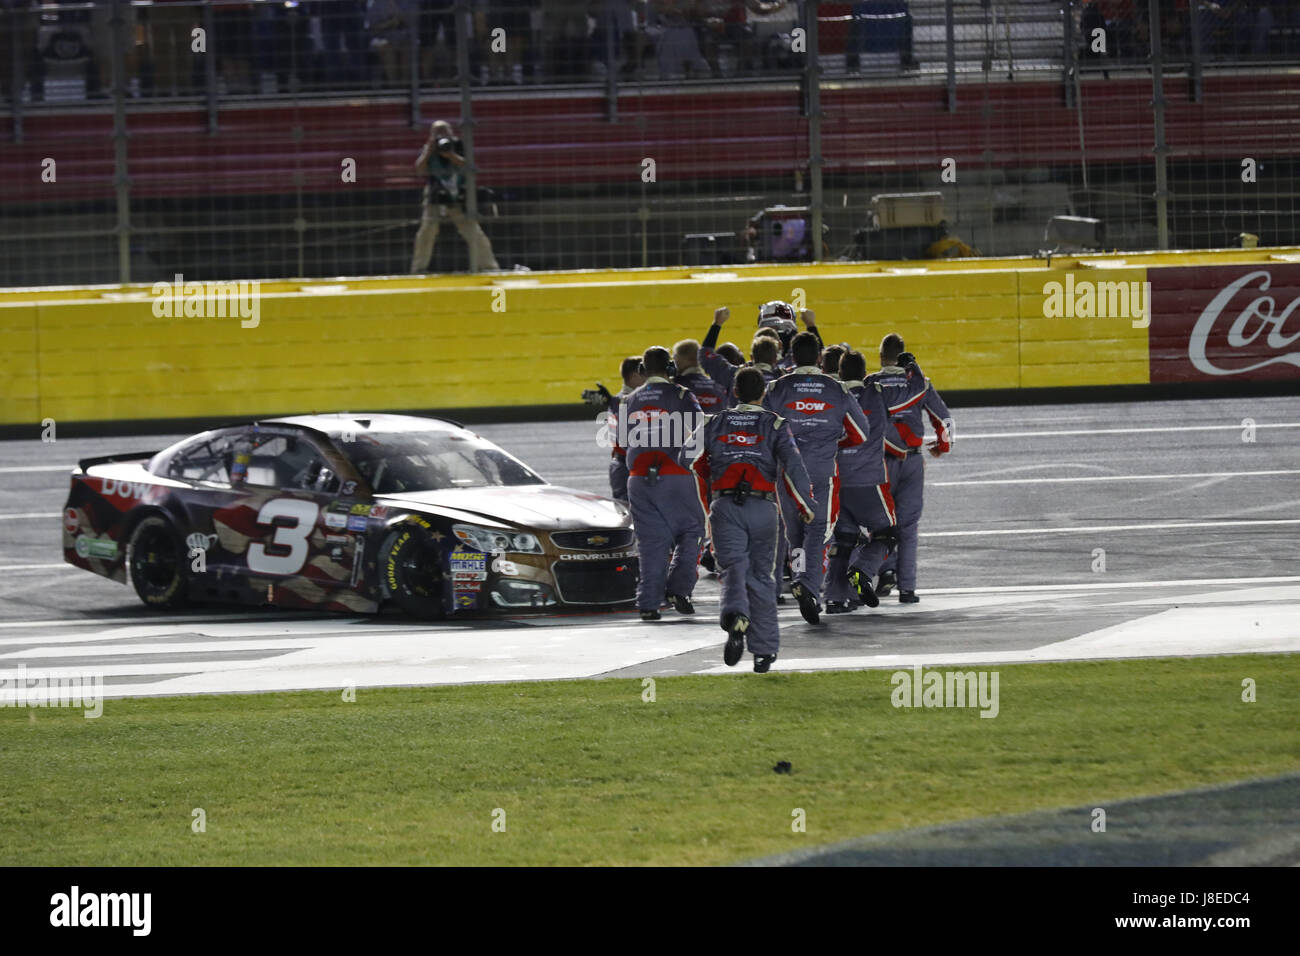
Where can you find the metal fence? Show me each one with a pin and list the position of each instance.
(262, 139)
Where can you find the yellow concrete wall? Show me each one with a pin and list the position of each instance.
(376, 343)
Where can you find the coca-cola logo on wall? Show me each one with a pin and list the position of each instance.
(1225, 323)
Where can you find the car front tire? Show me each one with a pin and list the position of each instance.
(411, 570)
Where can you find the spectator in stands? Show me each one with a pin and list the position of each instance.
(514, 17)
(1251, 21)
(283, 45)
(722, 23)
(770, 24)
(18, 28)
(438, 19)
(880, 27)
(232, 45)
(343, 40)
(566, 33)
(1117, 19)
(170, 26)
(390, 37)
(677, 47)
(102, 39)
(621, 17)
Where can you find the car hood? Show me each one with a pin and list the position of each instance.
(546, 507)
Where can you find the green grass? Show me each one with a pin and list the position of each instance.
(588, 773)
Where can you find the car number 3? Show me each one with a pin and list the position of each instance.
(293, 537)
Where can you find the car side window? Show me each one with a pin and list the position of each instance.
(207, 460)
(288, 461)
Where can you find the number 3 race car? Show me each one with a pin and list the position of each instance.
(346, 513)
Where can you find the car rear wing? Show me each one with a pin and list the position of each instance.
(87, 463)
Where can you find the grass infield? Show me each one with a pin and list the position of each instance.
(587, 772)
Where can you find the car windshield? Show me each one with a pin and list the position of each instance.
(432, 461)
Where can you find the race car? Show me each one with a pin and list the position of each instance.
(347, 513)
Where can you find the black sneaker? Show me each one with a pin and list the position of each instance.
(838, 607)
(708, 563)
(780, 599)
(862, 584)
(763, 663)
(681, 604)
(885, 585)
(650, 615)
(735, 625)
(808, 605)
(908, 597)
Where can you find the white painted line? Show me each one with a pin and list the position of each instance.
(1181, 583)
(36, 567)
(1123, 431)
(1102, 528)
(1048, 481)
(19, 515)
(1178, 632)
(160, 619)
(16, 469)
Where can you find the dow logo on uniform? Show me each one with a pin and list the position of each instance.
(808, 407)
(741, 438)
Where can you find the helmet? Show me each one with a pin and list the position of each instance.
(777, 315)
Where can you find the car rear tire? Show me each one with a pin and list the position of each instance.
(155, 563)
(410, 565)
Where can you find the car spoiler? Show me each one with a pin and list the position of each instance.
(86, 463)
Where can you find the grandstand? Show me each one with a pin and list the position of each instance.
(224, 180)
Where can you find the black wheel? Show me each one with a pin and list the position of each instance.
(155, 563)
(410, 565)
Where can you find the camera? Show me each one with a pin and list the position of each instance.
(444, 144)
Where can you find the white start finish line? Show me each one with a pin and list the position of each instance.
(203, 654)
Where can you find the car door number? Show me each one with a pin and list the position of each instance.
(293, 537)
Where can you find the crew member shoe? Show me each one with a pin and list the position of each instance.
(808, 605)
(780, 598)
(708, 562)
(885, 586)
(763, 663)
(862, 584)
(735, 625)
(681, 603)
(651, 615)
(838, 607)
(908, 597)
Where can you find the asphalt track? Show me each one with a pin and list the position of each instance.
(1200, 531)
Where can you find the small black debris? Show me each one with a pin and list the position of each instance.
(782, 766)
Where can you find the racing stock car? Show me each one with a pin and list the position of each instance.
(346, 513)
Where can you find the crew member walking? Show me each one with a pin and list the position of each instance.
(746, 451)
(907, 393)
(822, 416)
(654, 426)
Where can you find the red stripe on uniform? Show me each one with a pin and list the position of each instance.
(887, 499)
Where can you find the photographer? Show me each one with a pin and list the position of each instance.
(442, 161)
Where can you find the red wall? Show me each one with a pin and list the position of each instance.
(536, 140)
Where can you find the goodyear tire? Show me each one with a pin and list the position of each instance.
(155, 563)
(411, 571)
